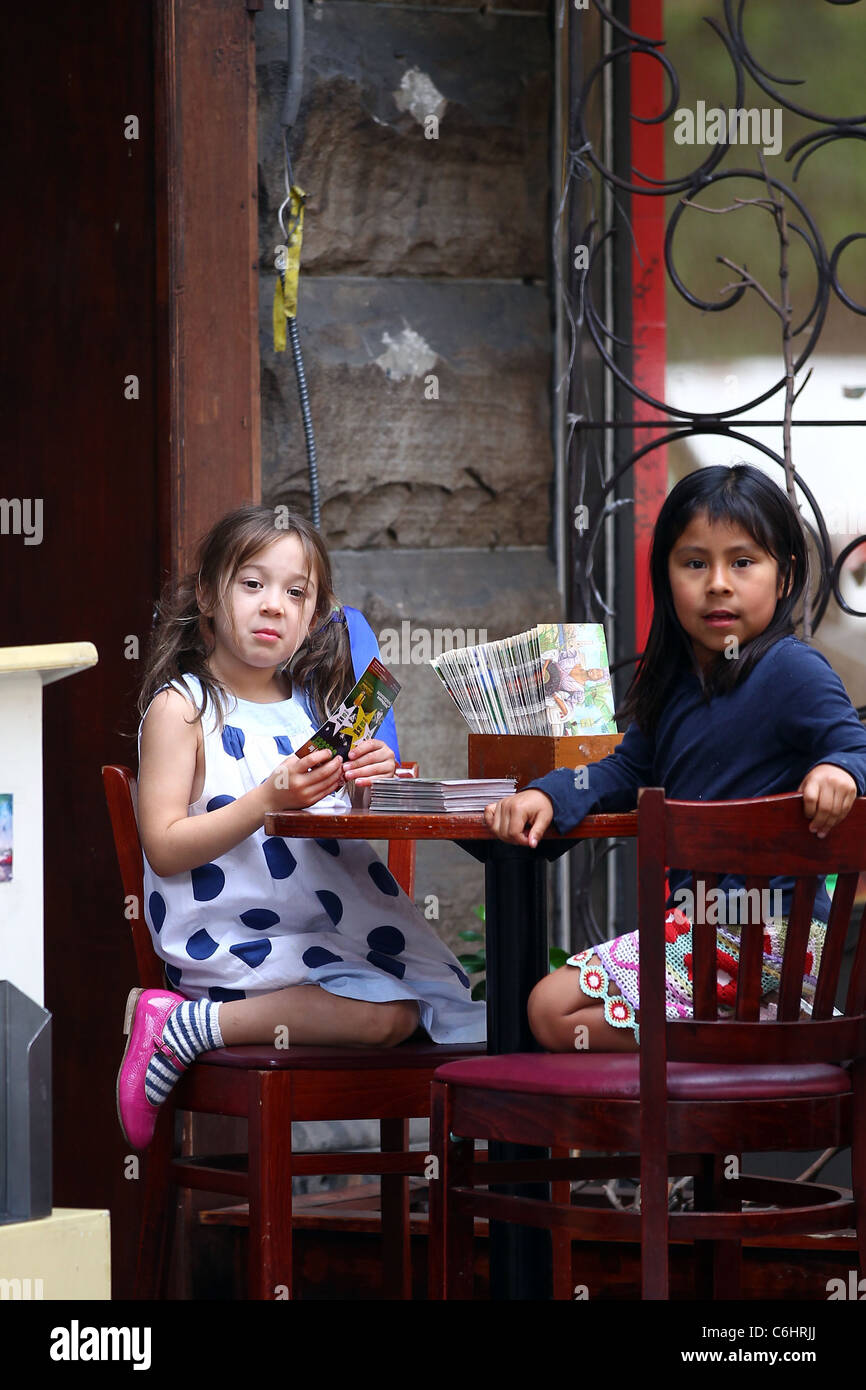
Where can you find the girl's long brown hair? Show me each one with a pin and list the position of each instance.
(183, 638)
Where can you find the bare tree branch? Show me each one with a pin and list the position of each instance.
(749, 280)
(732, 207)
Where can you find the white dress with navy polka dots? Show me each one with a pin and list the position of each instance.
(274, 912)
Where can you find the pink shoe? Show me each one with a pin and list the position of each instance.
(146, 1013)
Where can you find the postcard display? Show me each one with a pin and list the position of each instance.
(534, 702)
(44, 1253)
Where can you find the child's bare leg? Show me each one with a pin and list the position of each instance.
(315, 1017)
(558, 1007)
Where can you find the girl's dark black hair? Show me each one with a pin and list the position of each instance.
(742, 496)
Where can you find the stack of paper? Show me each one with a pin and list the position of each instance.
(420, 794)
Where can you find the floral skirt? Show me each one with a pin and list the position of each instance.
(620, 967)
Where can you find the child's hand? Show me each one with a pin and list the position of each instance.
(829, 792)
(520, 819)
(369, 758)
(300, 782)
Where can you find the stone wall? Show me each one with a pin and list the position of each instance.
(422, 144)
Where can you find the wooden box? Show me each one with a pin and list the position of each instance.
(527, 756)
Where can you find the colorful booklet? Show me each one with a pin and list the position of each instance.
(359, 715)
(553, 679)
(576, 677)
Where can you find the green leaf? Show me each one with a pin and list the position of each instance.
(480, 990)
(479, 912)
(470, 935)
(557, 957)
(473, 964)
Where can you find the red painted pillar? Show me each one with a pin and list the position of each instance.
(648, 297)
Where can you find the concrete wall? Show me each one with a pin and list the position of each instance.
(423, 257)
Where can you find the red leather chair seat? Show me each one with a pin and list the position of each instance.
(618, 1077)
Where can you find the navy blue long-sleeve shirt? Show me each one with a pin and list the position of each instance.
(790, 713)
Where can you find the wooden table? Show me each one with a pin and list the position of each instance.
(515, 891)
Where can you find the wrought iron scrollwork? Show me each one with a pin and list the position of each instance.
(585, 166)
(584, 313)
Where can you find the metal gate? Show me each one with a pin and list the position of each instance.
(619, 228)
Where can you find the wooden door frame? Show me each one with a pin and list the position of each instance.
(208, 401)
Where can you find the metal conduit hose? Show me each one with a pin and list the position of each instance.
(291, 105)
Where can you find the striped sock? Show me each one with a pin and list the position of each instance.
(191, 1028)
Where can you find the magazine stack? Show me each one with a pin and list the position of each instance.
(417, 794)
(552, 680)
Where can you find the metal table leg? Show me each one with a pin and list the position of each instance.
(516, 935)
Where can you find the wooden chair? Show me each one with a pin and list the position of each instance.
(700, 1091)
(271, 1088)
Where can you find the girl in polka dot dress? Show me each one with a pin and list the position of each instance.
(260, 933)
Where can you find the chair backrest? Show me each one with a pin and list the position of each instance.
(121, 793)
(758, 839)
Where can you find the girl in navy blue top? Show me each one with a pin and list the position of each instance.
(726, 703)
